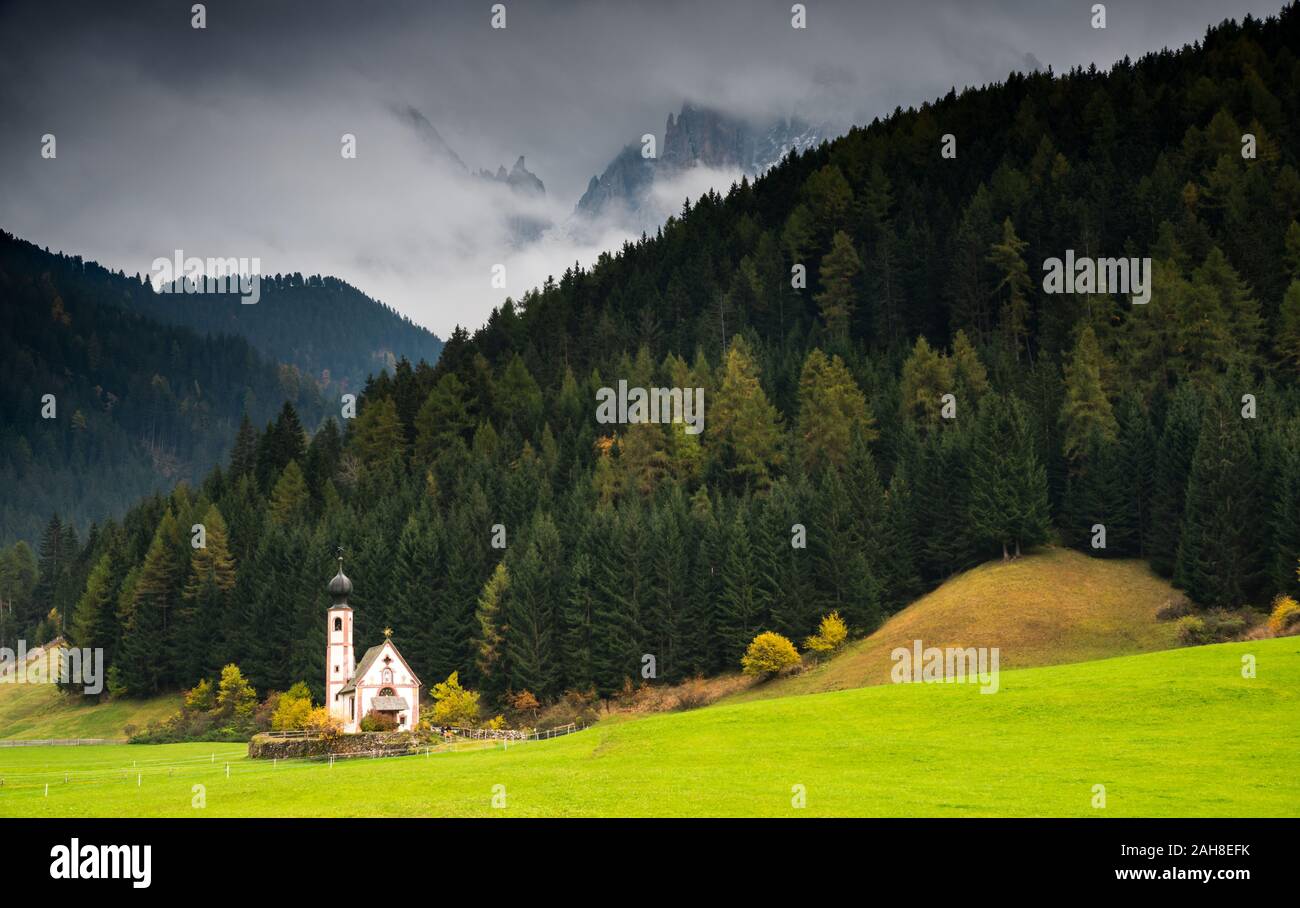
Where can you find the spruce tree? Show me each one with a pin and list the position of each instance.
(1173, 463)
(1220, 555)
(1008, 486)
(537, 584)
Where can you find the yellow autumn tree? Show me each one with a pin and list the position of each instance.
(769, 654)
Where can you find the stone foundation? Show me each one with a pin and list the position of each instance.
(381, 743)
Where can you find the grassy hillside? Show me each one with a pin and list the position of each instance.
(29, 711)
(1044, 609)
(1175, 733)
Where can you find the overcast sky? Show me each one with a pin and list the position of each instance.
(226, 141)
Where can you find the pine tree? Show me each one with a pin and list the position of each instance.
(615, 624)
(1008, 486)
(537, 583)
(92, 622)
(1086, 406)
(289, 497)
(969, 375)
(670, 635)
(148, 658)
(379, 439)
(490, 658)
(838, 299)
(831, 409)
(745, 426)
(1220, 555)
(444, 415)
(1136, 471)
(1008, 258)
(1284, 468)
(1096, 495)
(1173, 463)
(243, 456)
(927, 376)
(842, 575)
(53, 564)
(416, 601)
(212, 577)
(743, 609)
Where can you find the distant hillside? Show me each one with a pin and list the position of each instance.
(138, 405)
(1060, 606)
(322, 326)
(37, 710)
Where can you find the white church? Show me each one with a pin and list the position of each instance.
(382, 682)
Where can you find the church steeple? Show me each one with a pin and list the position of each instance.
(340, 587)
(340, 661)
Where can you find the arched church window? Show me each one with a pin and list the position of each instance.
(388, 676)
(387, 692)
(338, 624)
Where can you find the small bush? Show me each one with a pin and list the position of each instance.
(578, 707)
(769, 654)
(320, 722)
(373, 721)
(1191, 630)
(830, 636)
(1217, 626)
(1285, 618)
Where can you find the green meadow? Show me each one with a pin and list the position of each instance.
(1171, 733)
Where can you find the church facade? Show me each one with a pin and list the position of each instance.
(382, 682)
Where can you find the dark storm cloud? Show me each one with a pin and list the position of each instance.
(226, 141)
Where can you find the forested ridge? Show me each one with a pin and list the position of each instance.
(826, 408)
(134, 406)
(323, 326)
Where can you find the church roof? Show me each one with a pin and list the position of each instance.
(388, 704)
(368, 660)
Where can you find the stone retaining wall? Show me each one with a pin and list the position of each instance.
(266, 747)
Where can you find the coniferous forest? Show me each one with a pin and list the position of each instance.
(882, 370)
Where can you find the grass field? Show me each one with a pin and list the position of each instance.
(1044, 609)
(1175, 733)
(29, 711)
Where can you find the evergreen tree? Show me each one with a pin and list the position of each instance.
(212, 577)
(1008, 258)
(747, 428)
(838, 299)
(831, 410)
(1008, 490)
(1086, 406)
(289, 497)
(1220, 556)
(537, 583)
(1173, 463)
(148, 657)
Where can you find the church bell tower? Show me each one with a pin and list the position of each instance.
(340, 661)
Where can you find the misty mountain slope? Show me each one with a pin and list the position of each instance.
(138, 405)
(697, 137)
(322, 326)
